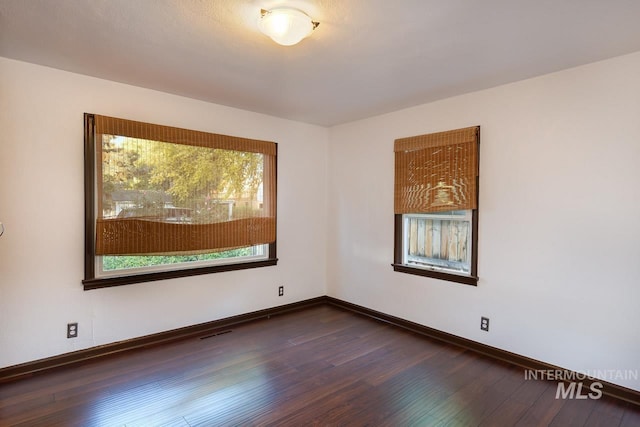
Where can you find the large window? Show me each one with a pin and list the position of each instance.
(436, 205)
(165, 202)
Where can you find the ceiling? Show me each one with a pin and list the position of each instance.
(367, 57)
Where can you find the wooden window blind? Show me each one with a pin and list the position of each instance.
(215, 192)
(437, 172)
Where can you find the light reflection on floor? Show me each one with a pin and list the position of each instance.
(209, 396)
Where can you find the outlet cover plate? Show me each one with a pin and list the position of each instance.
(484, 323)
(72, 330)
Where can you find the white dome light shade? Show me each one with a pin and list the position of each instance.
(286, 26)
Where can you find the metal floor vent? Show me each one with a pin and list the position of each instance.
(216, 334)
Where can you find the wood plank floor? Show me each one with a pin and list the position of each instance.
(318, 366)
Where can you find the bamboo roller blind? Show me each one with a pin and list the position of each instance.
(149, 236)
(132, 129)
(131, 236)
(436, 172)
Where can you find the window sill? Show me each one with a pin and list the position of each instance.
(466, 280)
(106, 282)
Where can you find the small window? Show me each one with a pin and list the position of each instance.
(436, 192)
(164, 202)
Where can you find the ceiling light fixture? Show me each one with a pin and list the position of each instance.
(286, 26)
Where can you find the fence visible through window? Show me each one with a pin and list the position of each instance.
(439, 240)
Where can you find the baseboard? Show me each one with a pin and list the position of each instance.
(15, 372)
(610, 389)
(30, 368)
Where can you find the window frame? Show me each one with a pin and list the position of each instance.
(91, 280)
(400, 236)
(400, 266)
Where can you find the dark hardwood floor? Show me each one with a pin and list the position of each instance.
(318, 366)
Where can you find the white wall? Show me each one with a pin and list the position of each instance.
(559, 230)
(41, 205)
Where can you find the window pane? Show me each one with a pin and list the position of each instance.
(111, 265)
(439, 240)
(179, 184)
